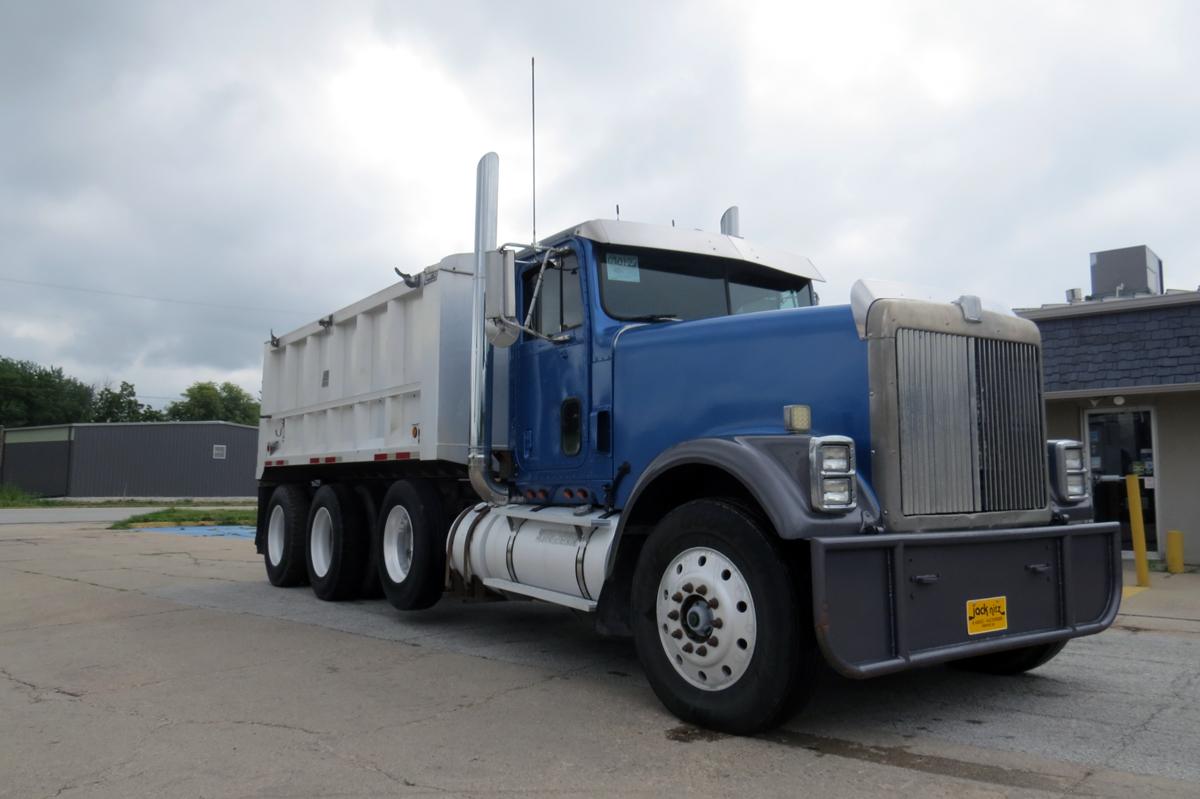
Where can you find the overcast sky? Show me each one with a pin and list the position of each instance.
(281, 158)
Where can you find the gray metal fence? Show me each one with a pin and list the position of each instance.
(159, 459)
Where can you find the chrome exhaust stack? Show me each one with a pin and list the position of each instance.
(479, 450)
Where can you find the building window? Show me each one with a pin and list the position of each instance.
(218, 452)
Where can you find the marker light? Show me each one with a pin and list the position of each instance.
(797, 418)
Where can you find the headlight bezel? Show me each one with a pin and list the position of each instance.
(827, 470)
(1068, 470)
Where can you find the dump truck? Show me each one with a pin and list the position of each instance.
(664, 429)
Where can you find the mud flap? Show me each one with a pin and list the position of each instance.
(886, 603)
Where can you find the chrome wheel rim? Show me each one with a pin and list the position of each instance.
(706, 619)
(320, 542)
(275, 531)
(397, 544)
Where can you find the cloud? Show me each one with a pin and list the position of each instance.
(288, 155)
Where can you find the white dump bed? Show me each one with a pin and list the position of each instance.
(386, 379)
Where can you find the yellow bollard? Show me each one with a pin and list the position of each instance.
(1136, 524)
(1174, 552)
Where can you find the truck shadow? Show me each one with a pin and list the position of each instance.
(907, 703)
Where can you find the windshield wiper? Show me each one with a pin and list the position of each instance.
(652, 317)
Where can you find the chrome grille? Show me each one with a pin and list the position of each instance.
(970, 424)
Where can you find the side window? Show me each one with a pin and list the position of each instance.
(549, 320)
(560, 300)
(547, 314)
(572, 294)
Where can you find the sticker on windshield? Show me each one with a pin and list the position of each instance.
(623, 268)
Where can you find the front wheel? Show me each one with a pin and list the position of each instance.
(718, 620)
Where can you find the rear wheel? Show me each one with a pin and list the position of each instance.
(410, 545)
(1012, 661)
(719, 626)
(287, 517)
(337, 543)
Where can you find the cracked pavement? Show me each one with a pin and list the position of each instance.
(135, 663)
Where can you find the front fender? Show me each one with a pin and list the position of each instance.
(775, 470)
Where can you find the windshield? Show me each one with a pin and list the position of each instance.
(648, 284)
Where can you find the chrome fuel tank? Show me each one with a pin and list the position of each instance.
(550, 553)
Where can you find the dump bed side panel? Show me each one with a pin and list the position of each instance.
(386, 379)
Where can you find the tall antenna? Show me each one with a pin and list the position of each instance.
(533, 137)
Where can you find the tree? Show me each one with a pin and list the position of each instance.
(122, 406)
(35, 395)
(208, 402)
(117, 406)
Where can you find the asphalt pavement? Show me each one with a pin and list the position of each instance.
(134, 663)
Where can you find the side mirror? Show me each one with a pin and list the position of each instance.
(500, 298)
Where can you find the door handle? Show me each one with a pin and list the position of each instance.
(1038, 568)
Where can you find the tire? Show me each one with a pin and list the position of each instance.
(287, 536)
(410, 545)
(1012, 661)
(370, 589)
(744, 665)
(338, 541)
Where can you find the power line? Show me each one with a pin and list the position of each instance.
(155, 299)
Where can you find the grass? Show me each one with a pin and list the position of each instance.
(173, 517)
(13, 497)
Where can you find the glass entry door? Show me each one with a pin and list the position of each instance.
(1121, 442)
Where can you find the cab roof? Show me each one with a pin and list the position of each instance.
(661, 237)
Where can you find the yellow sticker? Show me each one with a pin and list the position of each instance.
(987, 615)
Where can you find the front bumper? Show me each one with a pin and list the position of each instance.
(887, 603)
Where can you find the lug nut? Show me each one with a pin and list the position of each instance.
(687, 648)
(687, 588)
(718, 623)
(702, 590)
(673, 615)
(678, 597)
(712, 603)
(701, 650)
(677, 634)
(713, 641)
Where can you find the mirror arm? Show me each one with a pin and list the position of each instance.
(537, 291)
(559, 339)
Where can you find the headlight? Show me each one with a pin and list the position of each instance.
(831, 467)
(835, 491)
(835, 458)
(1073, 459)
(1068, 474)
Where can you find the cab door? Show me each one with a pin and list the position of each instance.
(551, 377)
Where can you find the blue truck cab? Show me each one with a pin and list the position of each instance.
(635, 351)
